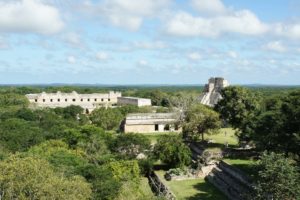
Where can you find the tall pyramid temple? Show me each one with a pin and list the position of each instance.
(211, 93)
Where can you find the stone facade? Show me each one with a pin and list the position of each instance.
(134, 101)
(87, 101)
(211, 93)
(151, 123)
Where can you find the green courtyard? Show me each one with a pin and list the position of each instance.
(193, 189)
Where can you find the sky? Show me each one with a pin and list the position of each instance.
(149, 41)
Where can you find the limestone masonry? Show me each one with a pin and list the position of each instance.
(87, 101)
(211, 93)
(134, 101)
(151, 122)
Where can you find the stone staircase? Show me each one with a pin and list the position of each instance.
(231, 181)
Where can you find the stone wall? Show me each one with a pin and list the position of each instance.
(134, 101)
(151, 122)
(148, 128)
(234, 184)
(86, 101)
(159, 188)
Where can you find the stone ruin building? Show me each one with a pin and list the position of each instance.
(151, 123)
(87, 101)
(211, 93)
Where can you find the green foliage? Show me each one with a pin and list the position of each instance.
(278, 126)
(130, 144)
(171, 150)
(126, 109)
(27, 114)
(68, 112)
(106, 118)
(32, 178)
(199, 120)
(19, 135)
(239, 107)
(146, 165)
(278, 178)
(104, 185)
(60, 156)
(11, 99)
(125, 170)
(94, 141)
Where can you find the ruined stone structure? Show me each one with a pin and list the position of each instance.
(87, 101)
(151, 122)
(211, 93)
(134, 101)
(231, 181)
(159, 187)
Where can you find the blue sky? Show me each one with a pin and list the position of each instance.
(149, 41)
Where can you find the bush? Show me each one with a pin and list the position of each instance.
(171, 150)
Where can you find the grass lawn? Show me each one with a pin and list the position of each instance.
(246, 165)
(192, 189)
(145, 188)
(221, 138)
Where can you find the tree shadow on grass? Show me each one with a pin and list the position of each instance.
(209, 192)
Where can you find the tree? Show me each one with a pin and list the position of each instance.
(131, 145)
(171, 150)
(58, 154)
(182, 101)
(106, 118)
(68, 112)
(32, 178)
(239, 106)
(12, 99)
(199, 120)
(278, 178)
(277, 127)
(125, 170)
(19, 135)
(27, 114)
(104, 185)
(291, 110)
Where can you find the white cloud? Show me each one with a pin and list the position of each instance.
(72, 39)
(150, 45)
(232, 54)
(127, 14)
(194, 56)
(102, 56)
(275, 46)
(241, 22)
(29, 16)
(71, 59)
(210, 7)
(291, 31)
(142, 63)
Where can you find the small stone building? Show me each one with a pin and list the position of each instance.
(134, 101)
(87, 101)
(211, 93)
(151, 123)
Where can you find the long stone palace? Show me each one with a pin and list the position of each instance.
(88, 102)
